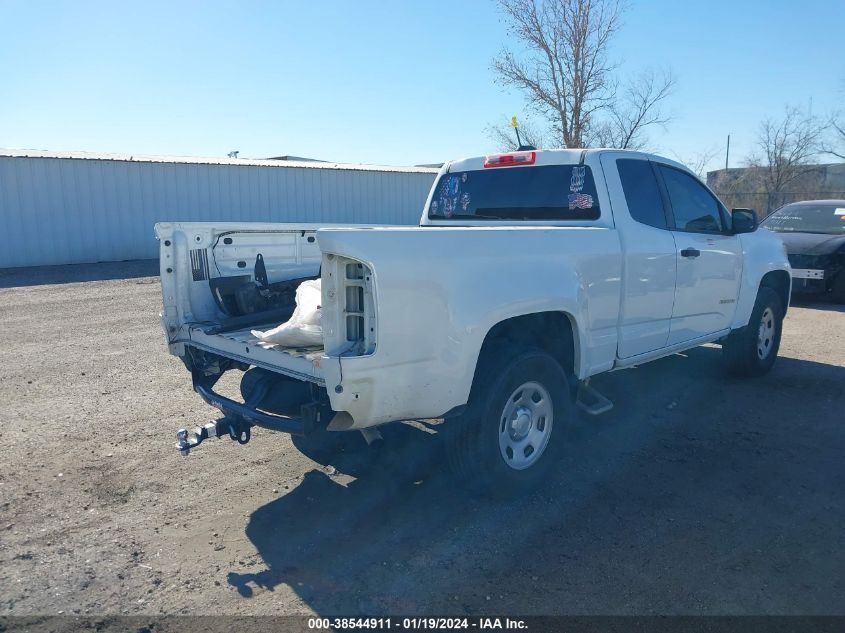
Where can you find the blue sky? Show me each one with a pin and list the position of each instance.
(378, 82)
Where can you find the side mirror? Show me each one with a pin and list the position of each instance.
(743, 220)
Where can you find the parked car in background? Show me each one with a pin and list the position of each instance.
(814, 235)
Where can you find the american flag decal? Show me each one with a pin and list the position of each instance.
(580, 201)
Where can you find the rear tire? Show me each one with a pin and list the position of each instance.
(752, 350)
(512, 432)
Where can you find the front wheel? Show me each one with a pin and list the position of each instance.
(511, 433)
(752, 350)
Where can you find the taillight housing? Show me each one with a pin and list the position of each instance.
(511, 159)
(349, 314)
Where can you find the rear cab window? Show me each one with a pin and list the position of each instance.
(523, 193)
(642, 193)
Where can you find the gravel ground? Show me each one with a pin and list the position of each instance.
(697, 494)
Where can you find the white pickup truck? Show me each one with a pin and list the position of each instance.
(530, 272)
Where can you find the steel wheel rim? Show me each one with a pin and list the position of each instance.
(525, 425)
(766, 334)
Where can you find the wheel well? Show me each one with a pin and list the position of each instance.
(779, 281)
(549, 331)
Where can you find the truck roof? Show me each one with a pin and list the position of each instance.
(555, 157)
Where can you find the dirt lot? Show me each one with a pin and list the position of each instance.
(697, 494)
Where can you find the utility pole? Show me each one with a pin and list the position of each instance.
(728, 151)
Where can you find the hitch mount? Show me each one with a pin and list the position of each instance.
(235, 429)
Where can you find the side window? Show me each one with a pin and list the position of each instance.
(694, 208)
(641, 192)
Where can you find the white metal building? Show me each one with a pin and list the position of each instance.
(61, 208)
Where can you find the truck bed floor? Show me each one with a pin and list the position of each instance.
(242, 345)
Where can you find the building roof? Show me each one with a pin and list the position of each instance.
(297, 158)
(245, 162)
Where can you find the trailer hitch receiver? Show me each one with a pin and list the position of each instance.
(237, 431)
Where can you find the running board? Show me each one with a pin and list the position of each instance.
(591, 400)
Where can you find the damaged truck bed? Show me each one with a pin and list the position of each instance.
(242, 345)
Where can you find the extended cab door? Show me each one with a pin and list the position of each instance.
(648, 252)
(709, 258)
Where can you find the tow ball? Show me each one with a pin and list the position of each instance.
(235, 429)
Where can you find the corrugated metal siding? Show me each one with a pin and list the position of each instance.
(67, 210)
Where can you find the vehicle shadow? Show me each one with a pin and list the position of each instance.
(75, 273)
(695, 495)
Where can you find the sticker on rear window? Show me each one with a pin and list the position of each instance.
(578, 200)
(839, 212)
(465, 200)
(576, 183)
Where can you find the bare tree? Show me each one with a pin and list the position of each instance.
(629, 115)
(835, 145)
(698, 161)
(788, 147)
(566, 77)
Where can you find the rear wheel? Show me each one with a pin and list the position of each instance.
(752, 350)
(511, 433)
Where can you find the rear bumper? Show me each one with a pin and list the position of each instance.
(313, 414)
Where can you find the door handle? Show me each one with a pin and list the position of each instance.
(690, 253)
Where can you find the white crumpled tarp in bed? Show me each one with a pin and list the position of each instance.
(303, 329)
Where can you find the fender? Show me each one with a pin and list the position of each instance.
(762, 253)
(439, 291)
